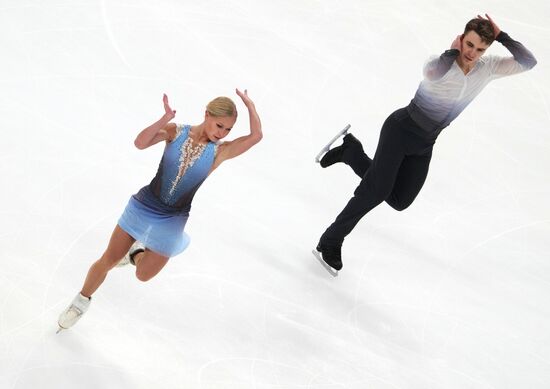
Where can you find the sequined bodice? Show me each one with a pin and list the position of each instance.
(183, 168)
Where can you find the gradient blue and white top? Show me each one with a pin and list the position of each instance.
(446, 91)
(183, 168)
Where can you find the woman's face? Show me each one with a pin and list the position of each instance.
(217, 127)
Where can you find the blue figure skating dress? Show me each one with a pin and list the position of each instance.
(157, 214)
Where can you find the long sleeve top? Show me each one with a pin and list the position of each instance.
(446, 91)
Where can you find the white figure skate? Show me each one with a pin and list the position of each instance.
(137, 247)
(325, 149)
(74, 312)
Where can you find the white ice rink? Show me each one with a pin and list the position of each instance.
(452, 293)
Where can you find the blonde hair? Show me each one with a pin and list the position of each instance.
(222, 106)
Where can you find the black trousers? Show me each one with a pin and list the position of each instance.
(395, 174)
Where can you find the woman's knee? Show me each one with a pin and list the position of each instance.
(144, 275)
(148, 266)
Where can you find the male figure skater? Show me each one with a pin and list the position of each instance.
(400, 165)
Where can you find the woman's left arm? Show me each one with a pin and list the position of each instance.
(239, 145)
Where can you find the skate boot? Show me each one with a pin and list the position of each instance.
(74, 312)
(326, 148)
(330, 257)
(137, 247)
(336, 154)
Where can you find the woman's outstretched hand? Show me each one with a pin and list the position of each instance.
(244, 96)
(169, 113)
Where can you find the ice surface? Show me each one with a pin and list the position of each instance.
(452, 293)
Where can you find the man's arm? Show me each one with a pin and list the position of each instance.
(438, 67)
(521, 55)
(522, 59)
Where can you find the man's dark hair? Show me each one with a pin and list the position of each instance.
(483, 28)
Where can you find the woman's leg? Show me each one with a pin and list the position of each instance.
(149, 264)
(119, 245)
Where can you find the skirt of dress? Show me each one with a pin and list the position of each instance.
(154, 224)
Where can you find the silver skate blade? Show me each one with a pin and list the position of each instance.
(59, 330)
(327, 147)
(332, 271)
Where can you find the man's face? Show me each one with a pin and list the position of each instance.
(472, 48)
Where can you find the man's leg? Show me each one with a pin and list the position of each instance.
(349, 152)
(410, 179)
(376, 185)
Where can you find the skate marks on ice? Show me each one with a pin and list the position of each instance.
(326, 148)
(317, 254)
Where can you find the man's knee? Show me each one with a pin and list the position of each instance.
(399, 205)
(371, 193)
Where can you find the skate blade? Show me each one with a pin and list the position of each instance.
(60, 328)
(325, 149)
(317, 254)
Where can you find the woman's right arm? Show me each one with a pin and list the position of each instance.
(158, 131)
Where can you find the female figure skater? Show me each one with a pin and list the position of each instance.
(400, 165)
(151, 229)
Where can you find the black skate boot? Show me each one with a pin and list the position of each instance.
(330, 257)
(337, 154)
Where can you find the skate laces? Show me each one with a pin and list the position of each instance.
(74, 308)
